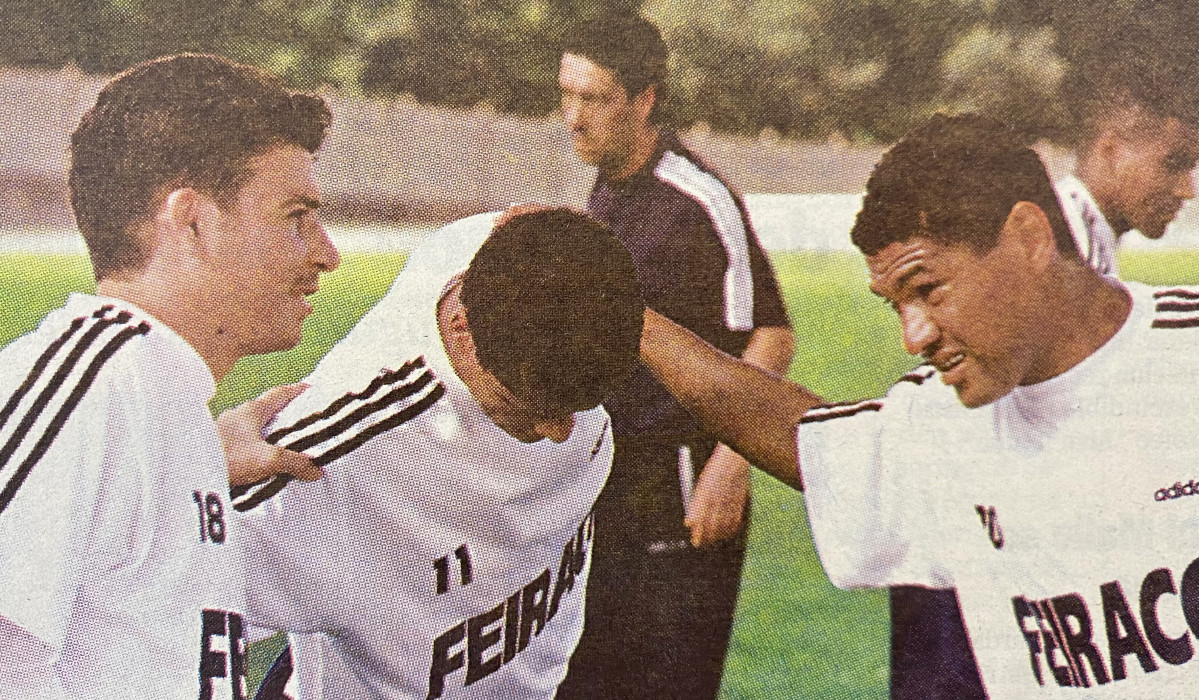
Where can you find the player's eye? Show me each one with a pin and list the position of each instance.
(928, 292)
(295, 220)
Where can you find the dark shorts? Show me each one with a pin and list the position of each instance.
(931, 658)
(659, 611)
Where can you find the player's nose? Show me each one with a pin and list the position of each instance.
(572, 112)
(321, 250)
(920, 333)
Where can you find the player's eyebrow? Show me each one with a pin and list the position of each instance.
(909, 273)
(591, 95)
(304, 200)
(909, 265)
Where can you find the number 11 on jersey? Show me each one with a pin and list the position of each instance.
(441, 567)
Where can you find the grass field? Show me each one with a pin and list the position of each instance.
(795, 636)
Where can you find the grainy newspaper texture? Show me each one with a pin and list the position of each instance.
(447, 109)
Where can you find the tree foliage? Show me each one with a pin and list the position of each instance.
(865, 70)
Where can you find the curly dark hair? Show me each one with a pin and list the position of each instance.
(188, 120)
(555, 309)
(955, 180)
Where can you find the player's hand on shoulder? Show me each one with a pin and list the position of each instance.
(717, 508)
(251, 458)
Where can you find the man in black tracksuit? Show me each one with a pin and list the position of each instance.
(670, 523)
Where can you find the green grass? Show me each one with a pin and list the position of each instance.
(31, 285)
(1160, 268)
(795, 635)
(345, 295)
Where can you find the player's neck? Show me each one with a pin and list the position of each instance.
(189, 320)
(645, 142)
(1088, 310)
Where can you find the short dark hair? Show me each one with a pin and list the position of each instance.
(626, 44)
(1140, 85)
(955, 179)
(1150, 67)
(555, 309)
(189, 120)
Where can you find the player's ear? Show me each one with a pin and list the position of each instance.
(457, 330)
(1106, 149)
(1031, 230)
(180, 208)
(177, 221)
(644, 102)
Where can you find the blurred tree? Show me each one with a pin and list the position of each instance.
(52, 34)
(866, 70)
(309, 42)
(811, 68)
(1011, 76)
(463, 52)
(438, 60)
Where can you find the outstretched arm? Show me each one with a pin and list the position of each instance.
(748, 408)
(717, 509)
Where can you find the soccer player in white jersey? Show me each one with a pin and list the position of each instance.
(445, 552)
(1137, 152)
(1057, 489)
(1138, 122)
(120, 569)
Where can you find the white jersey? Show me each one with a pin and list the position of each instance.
(1095, 238)
(116, 547)
(438, 556)
(1066, 513)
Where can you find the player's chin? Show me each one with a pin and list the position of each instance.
(974, 392)
(283, 334)
(1155, 230)
(1155, 225)
(586, 151)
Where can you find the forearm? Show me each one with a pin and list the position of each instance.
(752, 410)
(771, 348)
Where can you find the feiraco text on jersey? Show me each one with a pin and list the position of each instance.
(1062, 636)
(513, 621)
